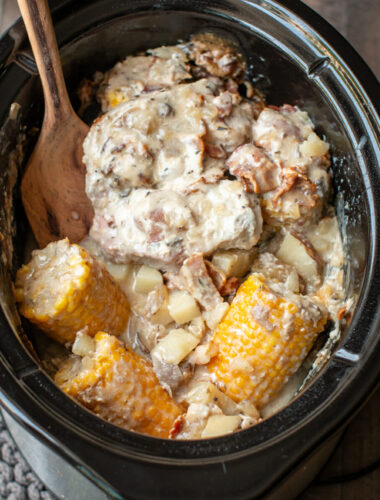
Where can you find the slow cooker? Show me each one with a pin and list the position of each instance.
(293, 57)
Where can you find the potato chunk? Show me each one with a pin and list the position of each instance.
(207, 393)
(314, 146)
(175, 346)
(147, 278)
(218, 425)
(295, 252)
(119, 272)
(182, 307)
(233, 262)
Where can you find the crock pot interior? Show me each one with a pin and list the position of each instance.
(287, 70)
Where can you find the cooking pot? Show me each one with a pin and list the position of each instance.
(293, 57)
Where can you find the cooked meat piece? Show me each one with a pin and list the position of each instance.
(156, 193)
(256, 171)
(277, 271)
(169, 375)
(286, 134)
(161, 68)
(147, 333)
(198, 282)
(137, 232)
(217, 276)
(230, 287)
(216, 56)
(227, 216)
(174, 281)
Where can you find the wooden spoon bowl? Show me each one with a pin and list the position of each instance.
(53, 185)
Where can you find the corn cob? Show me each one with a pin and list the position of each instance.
(263, 339)
(120, 386)
(63, 289)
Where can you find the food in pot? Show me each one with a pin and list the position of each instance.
(263, 339)
(64, 289)
(119, 385)
(212, 216)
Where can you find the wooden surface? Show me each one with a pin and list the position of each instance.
(359, 22)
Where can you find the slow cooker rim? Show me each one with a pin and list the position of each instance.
(305, 11)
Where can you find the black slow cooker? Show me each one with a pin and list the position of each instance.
(293, 57)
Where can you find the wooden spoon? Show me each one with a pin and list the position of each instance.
(53, 186)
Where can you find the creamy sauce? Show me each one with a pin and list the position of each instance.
(184, 174)
(155, 168)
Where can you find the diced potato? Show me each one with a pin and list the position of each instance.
(314, 146)
(215, 316)
(175, 346)
(218, 425)
(182, 307)
(295, 253)
(119, 272)
(146, 279)
(327, 241)
(233, 262)
(206, 393)
(84, 345)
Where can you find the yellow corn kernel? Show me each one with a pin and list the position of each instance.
(121, 387)
(66, 290)
(262, 340)
(115, 97)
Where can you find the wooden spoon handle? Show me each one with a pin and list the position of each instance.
(39, 25)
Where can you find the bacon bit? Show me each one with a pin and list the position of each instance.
(215, 151)
(85, 94)
(198, 282)
(230, 287)
(118, 149)
(287, 107)
(218, 57)
(98, 120)
(178, 424)
(144, 180)
(341, 312)
(272, 106)
(290, 175)
(151, 88)
(155, 234)
(110, 220)
(231, 86)
(256, 171)
(224, 104)
(217, 276)
(157, 215)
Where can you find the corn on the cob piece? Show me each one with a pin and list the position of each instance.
(120, 386)
(263, 339)
(63, 289)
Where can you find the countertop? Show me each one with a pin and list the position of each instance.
(355, 462)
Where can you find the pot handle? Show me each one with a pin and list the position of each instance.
(10, 44)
